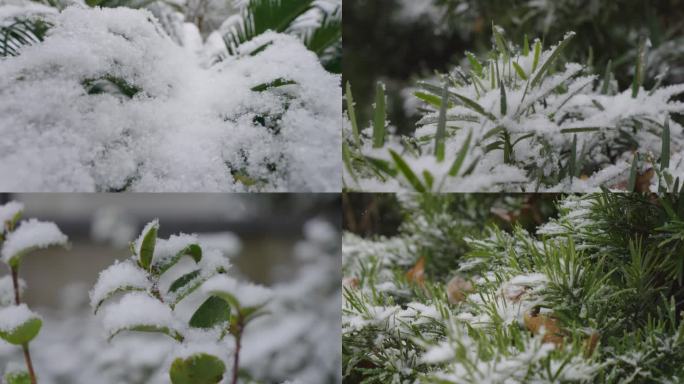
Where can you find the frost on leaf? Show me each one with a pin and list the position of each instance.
(30, 235)
(118, 278)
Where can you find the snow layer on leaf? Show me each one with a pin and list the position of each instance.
(168, 248)
(182, 127)
(14, 316)
(247, 294)
(137, 309)
(9, 211)
(118, 275)
(32, 234)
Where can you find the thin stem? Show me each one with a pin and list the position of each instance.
(238, 344)
(24, 347)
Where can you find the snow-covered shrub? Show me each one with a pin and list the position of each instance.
(591, 295)
(153, 285)
(106, 100)
(18, 324)
(519, 121)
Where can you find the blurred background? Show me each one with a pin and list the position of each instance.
(289, 242)
(399, 41)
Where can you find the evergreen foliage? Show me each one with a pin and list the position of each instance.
(590, 292)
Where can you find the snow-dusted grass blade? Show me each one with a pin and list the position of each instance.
(607, 78)
(351, 114)
(347, 159)
(631, 184)
(572, 162)
(504, 103)
(665, 140)
(441, 124)
(519, 71)
(379, 117)
(406, 171)
(639, 68)
(475, 64)
(551, 59)
(537, 54)
(458, 162)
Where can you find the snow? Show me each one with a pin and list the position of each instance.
(7, 290)
(14, 316)
(125, 275)
(189, 128)
(168, 248)
(137, 309)
(246, 293)
(9, 211)
(31, 234)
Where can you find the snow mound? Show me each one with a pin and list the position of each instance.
(118, 276)
(108, 102)
(29, 235)
(9, 211)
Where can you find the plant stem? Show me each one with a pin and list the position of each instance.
(238, 341)
(24, 347)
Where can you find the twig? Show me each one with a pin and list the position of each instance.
(24, 347)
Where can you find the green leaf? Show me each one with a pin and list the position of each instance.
(379, 117)
(456, 166)
(23, 333)
(147, 246)
(200, 368)
(552, 57)
(519, 71)
(22, 32)
(262, 15)
(638, 79)
(381, 165)
(214, 311)
(352, 115)
(405, 170)
(346, 159)
(326, 35)
(633, 174)
(665, 150)
(192, 250)
(429, 98)
(441, 125)
(187, 284)
(21, 377)
(279, 82)
(184, 280)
